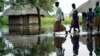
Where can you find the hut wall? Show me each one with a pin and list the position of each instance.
(14, 24)
(25, 24)
(25, 20)
(15, 20)
(21, 26)
(33, 24)
(33, 19)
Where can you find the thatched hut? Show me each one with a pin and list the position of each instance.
(23, 19)
(84, 9)
(89, 4)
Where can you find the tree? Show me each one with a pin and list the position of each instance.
(2, 2)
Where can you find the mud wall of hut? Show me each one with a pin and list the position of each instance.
(25, 24)
(33, 24)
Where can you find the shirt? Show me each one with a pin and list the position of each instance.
(90, 16)
(75, 15)
(73, 11)
(59, 14)
(97, 11)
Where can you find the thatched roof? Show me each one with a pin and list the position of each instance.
(23, 10)
(89, 4)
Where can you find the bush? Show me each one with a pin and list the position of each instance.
(3, 20)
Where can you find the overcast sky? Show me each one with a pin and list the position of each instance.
(66, 4)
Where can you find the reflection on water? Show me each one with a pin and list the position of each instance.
(90, 43)
(31, 45)
(97, 45)
(75, 42)
(72, 44)
(58, 41)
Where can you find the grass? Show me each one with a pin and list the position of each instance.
(49, 21)
(67, 20)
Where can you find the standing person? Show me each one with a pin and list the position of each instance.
(59, 17)
(97, 16)
(90, 16)
(75, 19)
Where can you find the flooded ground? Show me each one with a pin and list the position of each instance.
(48, 44)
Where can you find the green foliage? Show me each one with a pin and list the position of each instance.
(44, 4)
(3, 20)
(80, 20)
(97, 50)
(21, 2)
(47, 44)
(49, 21)
(2, 2)
(47, 4)
(2, 44)
(3, 51)
(67, 20)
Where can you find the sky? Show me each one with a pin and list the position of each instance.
(66, 4)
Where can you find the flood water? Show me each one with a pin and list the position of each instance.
(48, 44)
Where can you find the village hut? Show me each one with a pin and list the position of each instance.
(23, 19)
(84, 9)
(85, 6)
